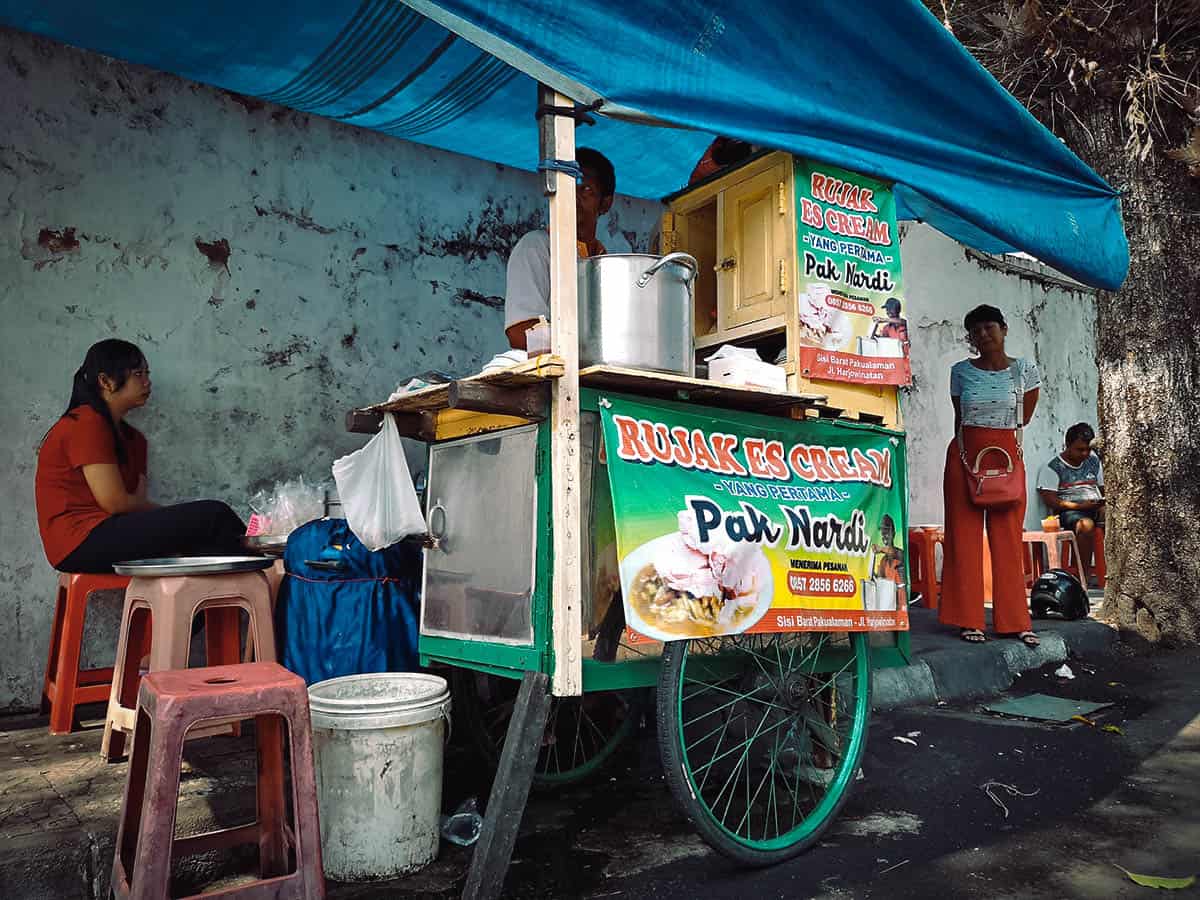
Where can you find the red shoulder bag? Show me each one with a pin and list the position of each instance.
(992, 480)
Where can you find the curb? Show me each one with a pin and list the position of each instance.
(949, 670)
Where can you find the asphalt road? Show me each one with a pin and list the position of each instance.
(919, 825)
(922, 826)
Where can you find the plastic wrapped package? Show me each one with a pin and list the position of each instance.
(286, 506)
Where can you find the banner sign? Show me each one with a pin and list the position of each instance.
(853, 324)
(743, 522)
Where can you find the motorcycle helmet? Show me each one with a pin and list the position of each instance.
(1058, 591)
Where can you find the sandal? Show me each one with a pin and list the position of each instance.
(972, 636)
(1029, 639)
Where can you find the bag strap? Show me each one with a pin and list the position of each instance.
(1019, 394)
(958, 436)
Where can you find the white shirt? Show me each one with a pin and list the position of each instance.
(527, 282)
(989, 399)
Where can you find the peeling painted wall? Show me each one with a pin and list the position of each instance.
(1048, 323)
(276, 268)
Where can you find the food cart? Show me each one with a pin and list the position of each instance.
(775, 499)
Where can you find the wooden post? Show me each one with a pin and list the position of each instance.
(510, 790)
(557, 141)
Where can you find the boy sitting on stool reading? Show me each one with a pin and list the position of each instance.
(1072, 486)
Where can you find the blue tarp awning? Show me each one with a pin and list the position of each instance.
(877, 86)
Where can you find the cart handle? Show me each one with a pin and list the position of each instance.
(436, 538)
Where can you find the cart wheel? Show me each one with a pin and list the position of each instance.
(761, 736)
(581, 734)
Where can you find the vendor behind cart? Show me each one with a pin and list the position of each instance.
(527, 295)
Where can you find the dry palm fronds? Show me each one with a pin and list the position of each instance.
(1189, 153)
(1056, 56)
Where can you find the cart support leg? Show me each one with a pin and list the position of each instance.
(510, 789)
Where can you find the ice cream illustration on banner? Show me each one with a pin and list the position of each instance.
(736, 565)
(693, 587)
(685, 569)
(821, 323)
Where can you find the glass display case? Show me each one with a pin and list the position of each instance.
(482, 504)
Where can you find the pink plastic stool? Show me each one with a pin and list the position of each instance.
(169, 704)
(171, 603)
(1053, 541)
(275, 576)
(65, 685)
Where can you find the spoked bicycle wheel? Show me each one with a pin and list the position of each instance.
(581, 733)
(761, 736)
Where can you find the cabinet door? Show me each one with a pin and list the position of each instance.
(754, 264)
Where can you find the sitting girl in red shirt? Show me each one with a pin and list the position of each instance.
(90, 485)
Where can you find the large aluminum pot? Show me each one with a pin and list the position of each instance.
(635, 311)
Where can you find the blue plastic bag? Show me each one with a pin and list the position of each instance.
(354, 611)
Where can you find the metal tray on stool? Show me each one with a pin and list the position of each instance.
(192, 565)
(269, 544)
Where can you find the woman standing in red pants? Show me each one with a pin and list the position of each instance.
(994, 396)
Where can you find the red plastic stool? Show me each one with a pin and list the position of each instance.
(922, 562)
(169, 703)
(65, 685)
(164, 608)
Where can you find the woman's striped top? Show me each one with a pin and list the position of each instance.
(989, 399)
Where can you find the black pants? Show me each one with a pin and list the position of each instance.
(200, 528)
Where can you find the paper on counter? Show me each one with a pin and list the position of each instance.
(743, 367)
(730, 351)
(414, 384)
(505, 360)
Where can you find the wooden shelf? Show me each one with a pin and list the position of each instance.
(519, 395)
(503, 398)
(695, 390)
(535, 371)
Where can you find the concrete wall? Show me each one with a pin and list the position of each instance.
(1047, 322)
(276, 269)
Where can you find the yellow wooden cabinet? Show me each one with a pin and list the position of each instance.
(741, 228)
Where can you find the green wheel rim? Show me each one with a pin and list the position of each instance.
(770, 730)
(581, 733)
(585, 737)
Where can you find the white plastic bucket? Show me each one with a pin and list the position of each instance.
(377, 741)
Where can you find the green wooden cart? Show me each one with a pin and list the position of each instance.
(761, 735)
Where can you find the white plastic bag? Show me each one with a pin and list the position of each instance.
(377, 492)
